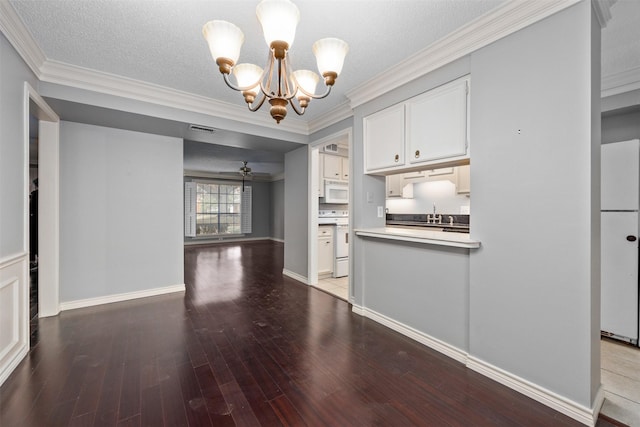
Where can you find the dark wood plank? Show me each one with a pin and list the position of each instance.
(151, 407)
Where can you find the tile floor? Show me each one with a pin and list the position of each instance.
(335, 286)
(620, 370)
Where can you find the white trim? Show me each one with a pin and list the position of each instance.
(548, 398)
(295, 276)
(334, 115)
(49, 199)
(622, 82)
(494, 25)
(276, 239)
(14, 274)
(358, 309)
(313, 202)
(20, 38)
(214, 241)
(108, 299)
(416, 335)
(602, 9)
(12, 259)
(111, 84)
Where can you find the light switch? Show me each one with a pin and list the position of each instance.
(380, 211)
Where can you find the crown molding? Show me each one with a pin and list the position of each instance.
(622, 82)
(340, 112)
(111, 84)
(486, 29)
(602, 9)
(20, 38)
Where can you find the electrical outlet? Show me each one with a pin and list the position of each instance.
(380, 211)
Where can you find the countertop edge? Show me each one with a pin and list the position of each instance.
(440, 238)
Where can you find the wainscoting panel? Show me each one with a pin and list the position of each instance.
(14, 332)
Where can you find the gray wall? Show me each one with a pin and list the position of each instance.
(277, 209)
(533, 290)
(120, 211)
(296, 199)
(620, 127)
(13, 73)
(531, 302)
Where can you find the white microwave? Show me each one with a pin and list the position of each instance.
(336, 192)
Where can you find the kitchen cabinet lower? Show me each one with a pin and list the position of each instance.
(326, 255)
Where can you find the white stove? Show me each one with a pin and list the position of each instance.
(333, 217)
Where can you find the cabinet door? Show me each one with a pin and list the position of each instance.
(394, 185)
(332, 167)
(345, 168)
(384, 139)
(463, 179)
(325, 255)
(437, 123)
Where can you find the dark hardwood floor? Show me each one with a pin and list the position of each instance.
(246, 346)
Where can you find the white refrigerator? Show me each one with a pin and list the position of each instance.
(619, 230)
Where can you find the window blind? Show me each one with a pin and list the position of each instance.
(190, 209)
(245, 210)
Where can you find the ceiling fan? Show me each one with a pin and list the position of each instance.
(244, 171)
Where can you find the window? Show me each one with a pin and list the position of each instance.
(215, 209)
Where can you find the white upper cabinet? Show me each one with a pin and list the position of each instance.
(427, 129)
(384, 139)
(334, 167)
(437, 123)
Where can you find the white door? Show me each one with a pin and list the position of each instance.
(619, 305)
(620, 175)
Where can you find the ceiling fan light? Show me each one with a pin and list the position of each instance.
(224, 39)
(279, 19)
(330, 53)
(248, 76)
(307, 80)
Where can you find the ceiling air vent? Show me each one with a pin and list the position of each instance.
(199, 128)
(331, 148)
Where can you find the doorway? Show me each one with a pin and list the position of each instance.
(329, 220)
(48, 147)
(33, 228)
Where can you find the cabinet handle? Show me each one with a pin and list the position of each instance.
(631, 238)
(397, 158)
(417, 154)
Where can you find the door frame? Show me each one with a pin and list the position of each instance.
(48, 199)
(313, 205)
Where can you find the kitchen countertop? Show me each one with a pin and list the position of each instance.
(420, 235)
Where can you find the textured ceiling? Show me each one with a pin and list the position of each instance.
(160, 41)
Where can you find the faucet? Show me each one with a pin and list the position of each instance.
(432, 219)
(450, 220)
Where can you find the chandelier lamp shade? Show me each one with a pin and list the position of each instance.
(277, 82)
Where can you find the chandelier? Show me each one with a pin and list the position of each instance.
(277, 82)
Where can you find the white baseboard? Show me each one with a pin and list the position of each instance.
(587, 416)
(13, 363)
(90, 302)
(583, 414)
(424, 339)
(295, 276)
(216, 241)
